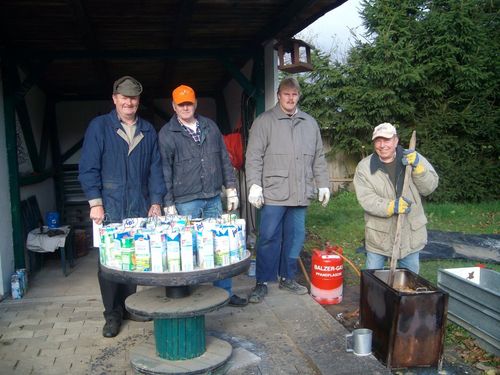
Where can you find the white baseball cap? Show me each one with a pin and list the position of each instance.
(384, 130)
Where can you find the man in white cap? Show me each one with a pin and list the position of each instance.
(378, 181)
(120, 173)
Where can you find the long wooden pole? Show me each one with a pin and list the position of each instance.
(401, 218)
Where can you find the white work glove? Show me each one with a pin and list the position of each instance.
(255, 196)
(324, 196)
(232, 199)
(170, 210)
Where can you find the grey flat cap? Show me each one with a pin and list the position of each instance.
(127, 86)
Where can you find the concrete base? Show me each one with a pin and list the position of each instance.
(145, 361)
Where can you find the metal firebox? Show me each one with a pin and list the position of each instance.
(407, 319)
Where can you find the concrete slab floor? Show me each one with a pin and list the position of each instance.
(56, 329)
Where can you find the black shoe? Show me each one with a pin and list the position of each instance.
(258, 293)
(237, 301)
(111, 328)
(134, 317)
(292, 286)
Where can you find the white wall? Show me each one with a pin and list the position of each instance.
(6, 244)
(271, 74)
(72, 119)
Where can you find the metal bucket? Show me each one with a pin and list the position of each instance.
(408, 320)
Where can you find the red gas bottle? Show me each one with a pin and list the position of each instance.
(327, 275)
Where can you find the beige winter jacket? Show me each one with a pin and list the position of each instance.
(374, 191)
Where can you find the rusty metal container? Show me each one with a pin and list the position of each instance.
(407, 319)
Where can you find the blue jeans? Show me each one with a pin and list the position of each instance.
(281, 237)
(376, 261)
(203, 209)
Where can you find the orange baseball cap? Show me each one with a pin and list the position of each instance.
(183, 94)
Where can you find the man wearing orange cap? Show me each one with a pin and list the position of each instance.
(195, 167)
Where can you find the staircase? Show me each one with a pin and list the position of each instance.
(74, 208)
(73, 204)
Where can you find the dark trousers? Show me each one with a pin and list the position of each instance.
(113, 296)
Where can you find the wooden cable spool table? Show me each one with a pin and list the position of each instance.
(178, 306)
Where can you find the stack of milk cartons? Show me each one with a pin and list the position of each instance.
(172, 243)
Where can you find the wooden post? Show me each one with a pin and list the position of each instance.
(396, 253)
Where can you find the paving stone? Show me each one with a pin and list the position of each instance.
(68, 325)
(49, 331)
(17, 333)
(61, 352)
(38, 327)
(8, 363)
(24, 366)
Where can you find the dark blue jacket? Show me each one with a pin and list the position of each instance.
(127, 184)
(191, 170)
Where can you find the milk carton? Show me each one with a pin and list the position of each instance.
(241, 225)
(142, 252)
(205, 243)
(187, 250)
(173, 251)
(221, 246)
(234, 243)
(158, 248)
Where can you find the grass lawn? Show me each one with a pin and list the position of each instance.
(342, 224)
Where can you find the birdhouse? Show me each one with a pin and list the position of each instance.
(294, 56)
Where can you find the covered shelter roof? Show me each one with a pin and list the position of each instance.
(77, 48)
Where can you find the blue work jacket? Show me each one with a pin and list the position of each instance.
(128, 184)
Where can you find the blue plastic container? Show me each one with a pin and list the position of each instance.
(52, 219)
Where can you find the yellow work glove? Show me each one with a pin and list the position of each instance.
(411, 157)
(399, 206)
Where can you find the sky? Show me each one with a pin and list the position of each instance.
(331, 32)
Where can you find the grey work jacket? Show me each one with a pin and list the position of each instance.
(374, 191)
(190, 170)
(285, 157)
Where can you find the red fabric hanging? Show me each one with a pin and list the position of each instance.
(234, 146)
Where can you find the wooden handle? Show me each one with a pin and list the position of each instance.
(397, 240)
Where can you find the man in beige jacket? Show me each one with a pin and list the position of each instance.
(378, 181)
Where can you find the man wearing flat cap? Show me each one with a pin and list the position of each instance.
(121, 176)
(378, 181)
(195, 167)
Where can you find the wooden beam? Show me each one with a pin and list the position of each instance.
(286, 16)
(71, 151)
(86, 32)
(24, 119)
(183, 21)
(142, 54)
(11, 143)
(238, 76)
(222, 116)
(36, 178)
